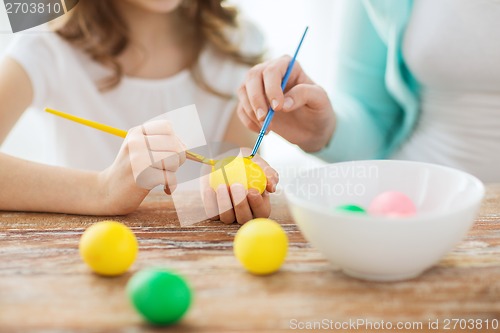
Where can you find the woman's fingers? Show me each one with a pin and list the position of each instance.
(263, 84)
(245, 111)
(272, 77)
(246, 120)
(310, 95)
(255, 92)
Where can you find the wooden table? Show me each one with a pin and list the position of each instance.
(45, 287)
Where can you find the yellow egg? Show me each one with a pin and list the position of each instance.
(108, 248)
(242, 170)
(261, 246)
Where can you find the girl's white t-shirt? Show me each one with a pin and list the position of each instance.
(65, 78)
(453, 49)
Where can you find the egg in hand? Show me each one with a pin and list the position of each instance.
(241, 170)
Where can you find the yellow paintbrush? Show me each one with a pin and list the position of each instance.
(121, 133)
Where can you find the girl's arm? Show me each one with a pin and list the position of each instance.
(16, 95)
(29, 186)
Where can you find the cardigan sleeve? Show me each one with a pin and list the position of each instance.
(366, 113)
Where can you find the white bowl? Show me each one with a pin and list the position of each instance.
(384, 248)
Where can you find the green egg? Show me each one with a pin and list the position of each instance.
(162, 297)
(351, 209)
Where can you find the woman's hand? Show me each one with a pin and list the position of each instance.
(237, 204)
(149, 156)
(303, 114)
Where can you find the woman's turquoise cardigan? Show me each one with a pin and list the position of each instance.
(375, 96)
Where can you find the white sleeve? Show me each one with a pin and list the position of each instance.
(249, 38)
(223, 73)
(37, 58)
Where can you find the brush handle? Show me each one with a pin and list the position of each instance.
(119, 132)
(89, 123)
(270, 112)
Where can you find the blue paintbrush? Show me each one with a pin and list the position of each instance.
(270, 113)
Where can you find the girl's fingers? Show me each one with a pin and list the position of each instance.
(181, 152)
(170, 182)
(161, 137)
(163, 143)
(260, 204)
(165, 160)
(241, 207)
(224, 204)
(151, 177)
(157, 127)
(210, 203)
(166, 144)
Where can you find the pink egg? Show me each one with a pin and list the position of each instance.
(392, 203)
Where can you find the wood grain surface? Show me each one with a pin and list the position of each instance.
(45, 287)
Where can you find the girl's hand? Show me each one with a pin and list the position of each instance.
(149, 156)
(237, 204)
(304, 115)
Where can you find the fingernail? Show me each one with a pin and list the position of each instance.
(275, 103)
(274, 188)
(253, 192)
(238, 193)
(288, 103)
(260, 114)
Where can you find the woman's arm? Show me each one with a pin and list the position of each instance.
(366, 114)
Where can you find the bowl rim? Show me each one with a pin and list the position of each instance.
(417, 218)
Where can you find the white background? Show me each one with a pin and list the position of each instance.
(282, 22)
